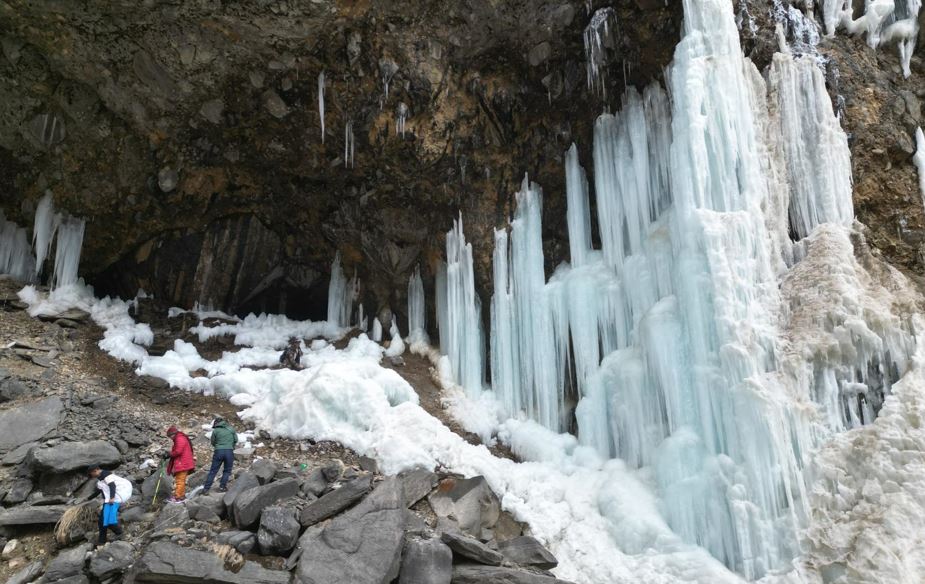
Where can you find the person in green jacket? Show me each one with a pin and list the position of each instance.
(224, 439)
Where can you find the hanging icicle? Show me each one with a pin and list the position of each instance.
(321, 103)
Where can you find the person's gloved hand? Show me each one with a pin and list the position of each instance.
(166, 456)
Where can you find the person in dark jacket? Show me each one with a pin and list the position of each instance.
(292, 356)
(115, 491)
(224, 439)
(182, 462)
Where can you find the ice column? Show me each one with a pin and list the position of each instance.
(815, 146)
(43, 231)
(341, 294)
(349, 145)
(16, 257)
(417, 325)
(919, 160)
(461, 335)
(579, 216)
(67, 252)
(377, 330)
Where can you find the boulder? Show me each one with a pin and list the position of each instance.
(264, 469)
(150, 487)
(315, 483)
(278, 532)
(172, 515)
(333, 470)
(11, 389)
(336, 501)
(18, 492)
(171, 564)
(249, 504)
(244, 482)
(417, 484)
(27, 574)
(19, 453)
(426, 561)
(111, 559)
(369, 464)
(470, 501)
(242, 541)
(32, 515)
(30, 422)
(527, 551)
(69, 456)
(361, 546)
(68, 563)
(475, 574)
(75, 579)
(507, 527)
(472, 549)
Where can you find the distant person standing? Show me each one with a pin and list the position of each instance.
(292, 356)
(181, 463)
(224, 439)
(115, 491)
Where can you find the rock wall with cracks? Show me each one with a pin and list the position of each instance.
(188, 133)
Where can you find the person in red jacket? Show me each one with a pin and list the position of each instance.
(181, 462)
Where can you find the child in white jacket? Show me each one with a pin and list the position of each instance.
(115, 491)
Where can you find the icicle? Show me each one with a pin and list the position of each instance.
(400, 116)
(883, 21)
(597, 38)
(46, 223)
(16, 258)
(377, 330)
(321, 103)
(462, 335)
(348, 145)
(67, 252)
(919, 160)
(417, 325)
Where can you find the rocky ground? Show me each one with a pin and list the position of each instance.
(299, 512)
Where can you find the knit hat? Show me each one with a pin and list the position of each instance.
(172, 430)
(216, 421)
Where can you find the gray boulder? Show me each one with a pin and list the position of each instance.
(68, 563)
(30, 422)
(470, 501)
(426, 561)
(278, 532)
(75, 579)
(243, 542)
(264, 469)
(150, 487)
(18, 492)
(527, 551)
(111, 559)
(315, 483)
(172, 515)
(69, 456)
(27, 574)
(249, 504)
(362, 546)
(472, 549)
(244, 482)
(475, 574)
(19, 453)
(171, 564)
(206, 508)
(32, 515)
(336, 501)
(11, 389)
(333, 470)
(417, 484)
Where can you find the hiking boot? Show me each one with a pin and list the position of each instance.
(204, 492)
(223, 489)
(175, 500)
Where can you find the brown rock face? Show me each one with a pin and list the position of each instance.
(189, 136)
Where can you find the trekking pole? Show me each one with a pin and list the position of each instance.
(160, 475)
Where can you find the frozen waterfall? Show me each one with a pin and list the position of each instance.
(15, 252)
(417, 323)
(707, 341)
(342, 293)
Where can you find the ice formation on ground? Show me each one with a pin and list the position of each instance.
(418, 339)
(321, 103)
(397, 345)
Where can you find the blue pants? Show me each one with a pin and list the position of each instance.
(108, 520)
(220, 458)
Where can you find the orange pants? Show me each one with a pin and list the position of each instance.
(179, 484)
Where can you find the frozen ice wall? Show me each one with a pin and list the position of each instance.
(67, 252)
(342, 293)
(690, 350)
